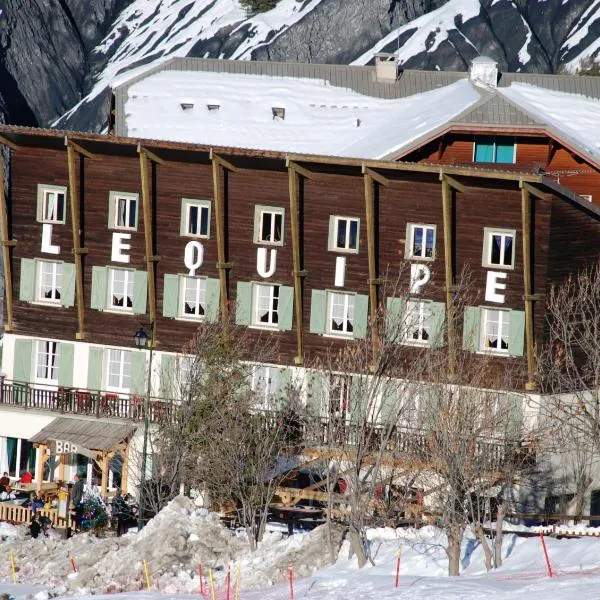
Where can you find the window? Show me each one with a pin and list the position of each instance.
(266, 305)
(343, 234)
(494, 150)
(51, 203)
(418, 322)
(420, 241)
(268, 225)
(118, 370)
(264, 385)
(20, 456)
(495, 330)
(193, 295)
(120, 295)
(46, 365)
(123, 210)
(341, 313)
(339, 395)
(195, 218)
(50, 276)
(499, 248)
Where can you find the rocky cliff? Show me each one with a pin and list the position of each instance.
(59, 57)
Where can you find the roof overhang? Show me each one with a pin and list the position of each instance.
(66, 435)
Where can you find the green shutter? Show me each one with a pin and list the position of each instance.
(66, 363)
(67, 298)
(284, 386)
(437, 320)
(318, 311)
(27, 285)
(138, 371)
(99, 289)
(95, 368)
(471, 324)
(484, 150)
(389, 395)
(516, 332)
(359, 397)
(23, 366)
(286, 307)
(514, 416)
(361, 315)
(171, 296)
(243, 311)
(111, 210)
(315, 392)
(394, 321)
(332, 234)
(168, 375)
(140, 292)
(213, 296)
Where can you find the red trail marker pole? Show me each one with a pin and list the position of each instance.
(73, 566)
(546, 554)
(398, 557)
(201, 581)
(228, 582)
(291, 572)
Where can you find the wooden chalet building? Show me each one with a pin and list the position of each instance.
(101, 234)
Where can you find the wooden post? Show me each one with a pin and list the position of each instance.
(125, 469)
(6, 245)
(218, 165)
(151, 259)
(39, 467)
(294, 171)
(61, 467)
(104, 483)
(78, 251)
(527, 286)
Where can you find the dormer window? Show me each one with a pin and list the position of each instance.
(278, 113)
(213, 107)
(186, 105)
(494, 150)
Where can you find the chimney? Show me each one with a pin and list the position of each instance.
(484, 71)
(386, 67)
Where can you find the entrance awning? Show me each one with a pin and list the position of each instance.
(88, 437)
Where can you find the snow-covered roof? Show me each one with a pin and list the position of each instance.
(230, 109)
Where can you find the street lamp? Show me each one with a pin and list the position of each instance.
(143, 341)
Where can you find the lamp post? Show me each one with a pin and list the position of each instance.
(142, 341)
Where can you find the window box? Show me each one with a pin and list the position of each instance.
(51, 204)
(123, 209)
(195, 218)
(269, 306)
(269, 225)
(499, 248)
(420, 241)
(344, 234)
(191, 298)
(339, 314)
(495, 331)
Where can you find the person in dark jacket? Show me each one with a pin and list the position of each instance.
(121, 512)
(5, 482)
(77, 491)
(35, 527)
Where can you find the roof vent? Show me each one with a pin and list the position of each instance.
(213, 107)
(186, 105)
(386, 67)
(278, 113)
(484, 70)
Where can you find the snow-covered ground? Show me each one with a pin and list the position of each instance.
(181, 537)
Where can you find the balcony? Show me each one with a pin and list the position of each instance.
(79, 401)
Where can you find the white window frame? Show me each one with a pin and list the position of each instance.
(53, 270)
(338, 395)
(334, 228)
(127, 287)
(121, 358)
(275, 212)
(488, 236)
(264, 385)
(18, 454)
(410, 241)
(347, 306)
(266, 299)
(503, 322)
(201, 205)
(46, 361)
(421, 320)
(51, 192)
(197, 288)
(115, 198)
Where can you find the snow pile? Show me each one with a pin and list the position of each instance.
(173, 544)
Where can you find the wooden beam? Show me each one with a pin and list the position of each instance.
(449, 270)
(222, 265)
(79, 149)
(532, 190)
(224, 163)
(6, 245)
(290, 164)
(39, 467)
(293, 174)
(527, 287)
(150, 259)
(7, 142)
(150, 155)
(76, 233)
(369, 183)
(125, 469)
(104, 482)
(453, 183)
(375, 176)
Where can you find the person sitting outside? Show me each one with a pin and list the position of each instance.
(121, 512)
(35, 527)
(5, 483)
(26, 477)
(36, 503)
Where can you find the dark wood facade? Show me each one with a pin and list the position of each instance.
(402, 194)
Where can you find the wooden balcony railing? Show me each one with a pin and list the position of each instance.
(78, 401)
